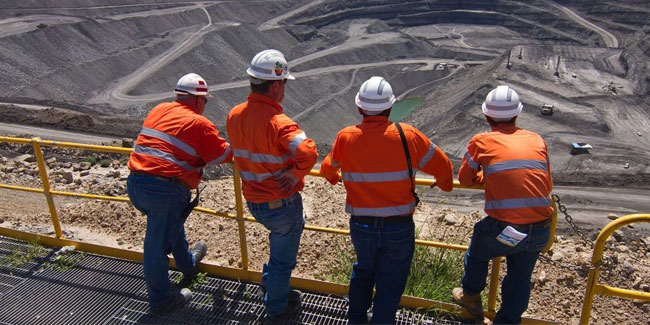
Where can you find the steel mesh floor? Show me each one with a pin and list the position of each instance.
(104, 290)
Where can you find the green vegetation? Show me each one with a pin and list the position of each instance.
(92, 160)
(404, 107)
(19, 257)
(66, 261)
(434, 271)
(199, 279)
(105, 163)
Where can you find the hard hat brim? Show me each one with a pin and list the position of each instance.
(505, 114)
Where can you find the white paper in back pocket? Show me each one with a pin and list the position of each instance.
(510, 236)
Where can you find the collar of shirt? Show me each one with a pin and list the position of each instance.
(375, 119)
(505, 128)
(255, 97)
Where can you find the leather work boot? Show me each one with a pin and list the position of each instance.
(198, 251)
(472, 303)
(178, 300)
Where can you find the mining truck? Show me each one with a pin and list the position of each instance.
(547, 109)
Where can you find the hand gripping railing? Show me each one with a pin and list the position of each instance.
(596, 262)
(243, 273)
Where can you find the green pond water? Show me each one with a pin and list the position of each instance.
(404, 107)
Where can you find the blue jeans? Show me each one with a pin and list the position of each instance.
(521, 259)
(163, 203)
(285, 223)
(384, 257)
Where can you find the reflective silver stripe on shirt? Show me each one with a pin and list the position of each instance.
(376, 177)
(518, 203)
(472, 164)
(381, 212)
(515, 164)
(250, 176)
(176, 142)
(296, 141)
(164, 155)
(428, 156)
(260, 157)
(221, 158)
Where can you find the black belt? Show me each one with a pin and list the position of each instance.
(382, 221)
(526, 226)
(174, 180)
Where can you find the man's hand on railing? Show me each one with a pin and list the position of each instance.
(286, 181)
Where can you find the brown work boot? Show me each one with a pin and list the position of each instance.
(472, 303)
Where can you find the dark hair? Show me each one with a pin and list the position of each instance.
(262, 88)
(492, 122)
(385, 113)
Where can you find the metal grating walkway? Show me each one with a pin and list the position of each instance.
(104, 290)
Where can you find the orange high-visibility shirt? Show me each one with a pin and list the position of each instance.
(175, 141)
(265, 143)
(514, 166)
(373, 165)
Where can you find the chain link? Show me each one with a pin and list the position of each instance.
(605, 262)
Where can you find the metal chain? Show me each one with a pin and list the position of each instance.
(569, 219)
(605, 262)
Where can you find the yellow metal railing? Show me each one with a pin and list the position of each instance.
(593, 287)
(243, 273)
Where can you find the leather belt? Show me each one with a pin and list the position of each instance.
(174, 180)
(382, 221)
(526, 226)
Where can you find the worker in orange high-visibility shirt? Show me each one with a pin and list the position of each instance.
(513, 165)
(272, 155)
(175, 143)
(379, 174)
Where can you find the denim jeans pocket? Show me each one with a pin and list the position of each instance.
(401, 249)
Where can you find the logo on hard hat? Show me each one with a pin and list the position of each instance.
(280, 69)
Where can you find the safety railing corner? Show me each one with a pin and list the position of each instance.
(597, 261)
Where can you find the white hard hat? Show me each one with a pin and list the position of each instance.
(502, 102)
(375, 95)
(192, 84)
(269, 65)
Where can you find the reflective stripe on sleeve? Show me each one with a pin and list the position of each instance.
(515, 164)
(259, 157)
(428, 156)
(296, 141)
(221, 158)
(164, 155)
(174, 141)
(376, 177)
(381, 212)
(470, 161)
(518, 203)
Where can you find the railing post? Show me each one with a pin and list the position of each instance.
(46, 186)
(494, 283)
(240, 218)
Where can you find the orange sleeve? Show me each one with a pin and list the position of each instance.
(433, 161)
(212, 148)
(470, 172)
(294, 140)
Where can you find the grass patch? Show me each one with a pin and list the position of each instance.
(66, 261)
(19, 257)
(199, 279)
(434, 271)
(105, 163)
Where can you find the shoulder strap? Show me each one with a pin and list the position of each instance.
(408, 162)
